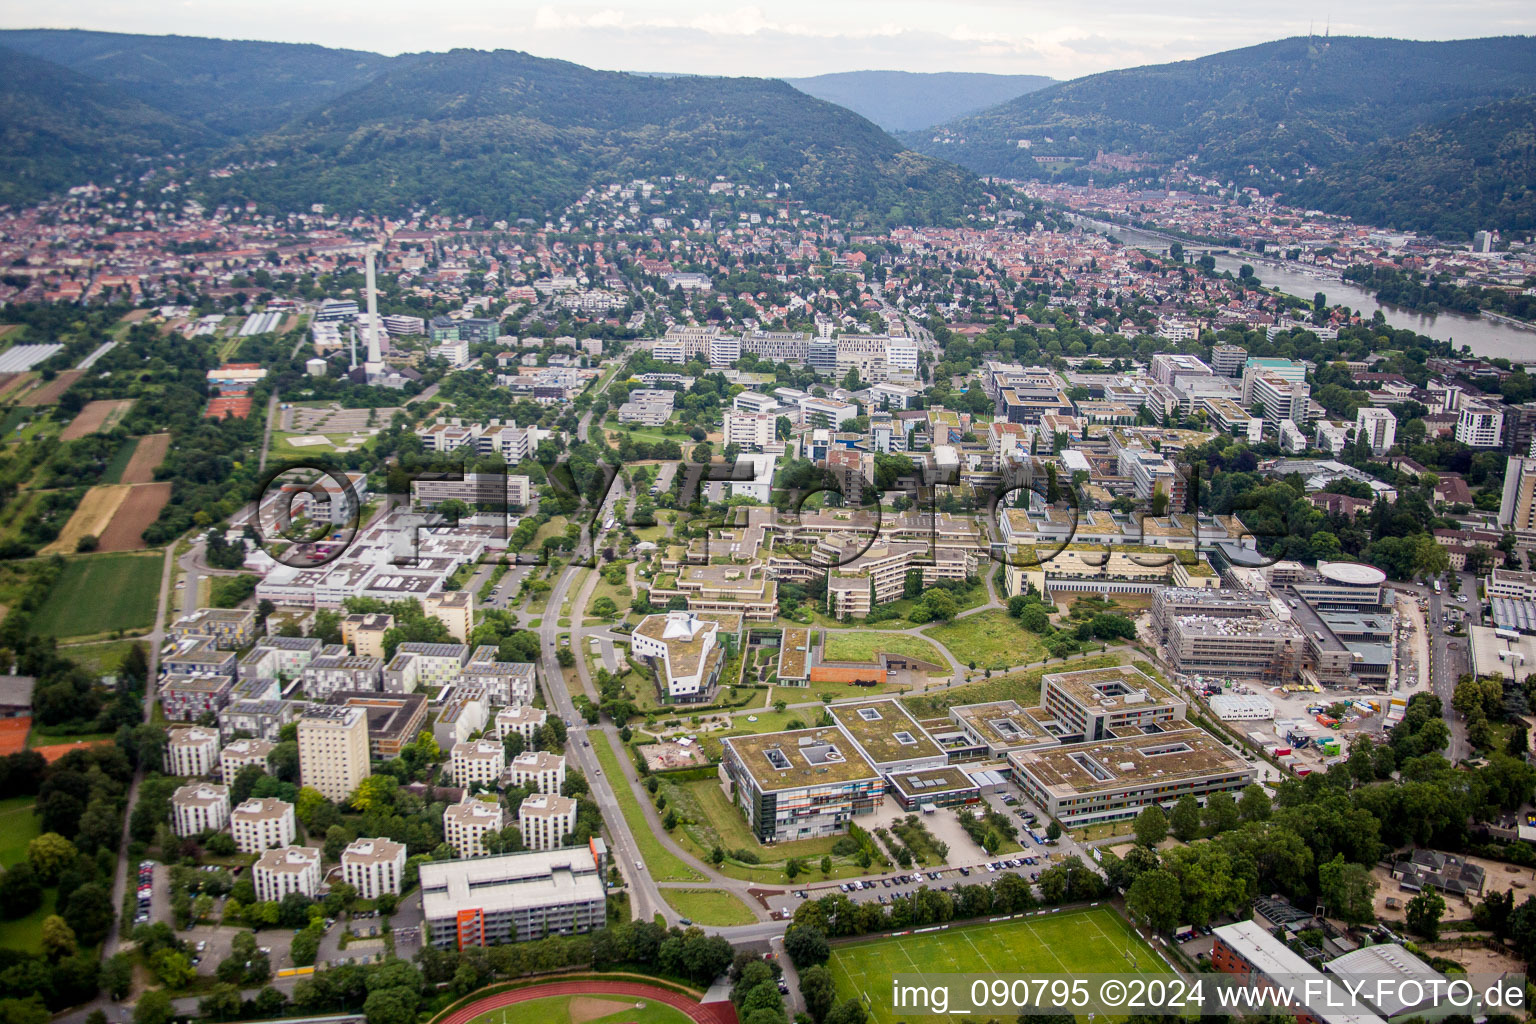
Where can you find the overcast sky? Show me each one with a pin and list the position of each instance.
(794, 37)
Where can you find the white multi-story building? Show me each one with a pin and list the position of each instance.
(200, 807)
(193, 751)
(1480, 425)
(724, 349)
(290, 869)
(538, 770)
(1279, 397)
(466, 823)
(262, 823)
(373, 867)
(479, 761)
(525, 720)
(749, 430)
(1378, 427)
(241, 753)
(901, 357)
(545, 819)
(682, 648)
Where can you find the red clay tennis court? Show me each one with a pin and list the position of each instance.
(13, 734)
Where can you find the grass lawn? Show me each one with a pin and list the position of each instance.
(123, 590)
(1092, 940)
(585, 1010)
(991, 639)
(861, 645)
(662, 864)
(709, 906)
(26, 933)
(621, 597)
(1023, 687)
(18, 827)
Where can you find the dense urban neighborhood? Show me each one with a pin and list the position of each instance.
(716, 602)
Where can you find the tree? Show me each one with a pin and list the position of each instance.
(58, 938)
(391, 1006)
(154, 1008)
(826, 864)
(1347, 890)
(806, 946)
(49, 854)
(1254, 804)
(1221, 813)
(1184, 822)
(1424, 912)
(850, 1011)
(89, 912)
(20, 893)
(1053, 830)
(1154, 899)
(1151, 826)
(819, 991)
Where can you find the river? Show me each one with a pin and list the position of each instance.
(1487, 338)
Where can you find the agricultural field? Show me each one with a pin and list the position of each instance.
(91, 518)
(113, 474)
(1094, 940)
(50, 391)
(102, 414)
(124, 589)
(990, 639)
(147, 455)
(140, 508)
(862, 646)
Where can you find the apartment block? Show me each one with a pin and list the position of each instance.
(198, 808)
(373, 867)
(545, 819)
(480, 761)
(333, 749)
(524, 720)
(289, 869)
(538, 770)
(192, 751)
(261, 823)
(228, 628)
(238, 754)
(466, 823)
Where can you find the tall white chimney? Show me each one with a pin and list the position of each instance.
(375, 350)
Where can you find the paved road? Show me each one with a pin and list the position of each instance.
(156, 639)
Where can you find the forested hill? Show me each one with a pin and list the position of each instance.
(234, 87)
(1474, 171)
(58, 129)
(1280, 108)
(504, 135)
(908, 100)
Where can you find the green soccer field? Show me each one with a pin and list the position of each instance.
(1091, 940)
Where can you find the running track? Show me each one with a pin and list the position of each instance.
(701, 1013)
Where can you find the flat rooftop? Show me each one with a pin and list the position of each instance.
(1081, 769)
(803, 757)
(1001, 724)
(884, 730)
(519, 881)
(931, 782)
(1111, 688)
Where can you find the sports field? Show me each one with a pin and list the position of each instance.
(585, 1010)
(1091, 940)
(100, 593)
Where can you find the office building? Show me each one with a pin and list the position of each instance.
(682, 648)
(545, 819)
(289, 869)
(198, 808)
(1087, 783)
(373, 867)
(192, 751)
(1263, 962)
(512, 898)
(333, 749)
(262, 823)
(800, 784)
(1100, 703)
